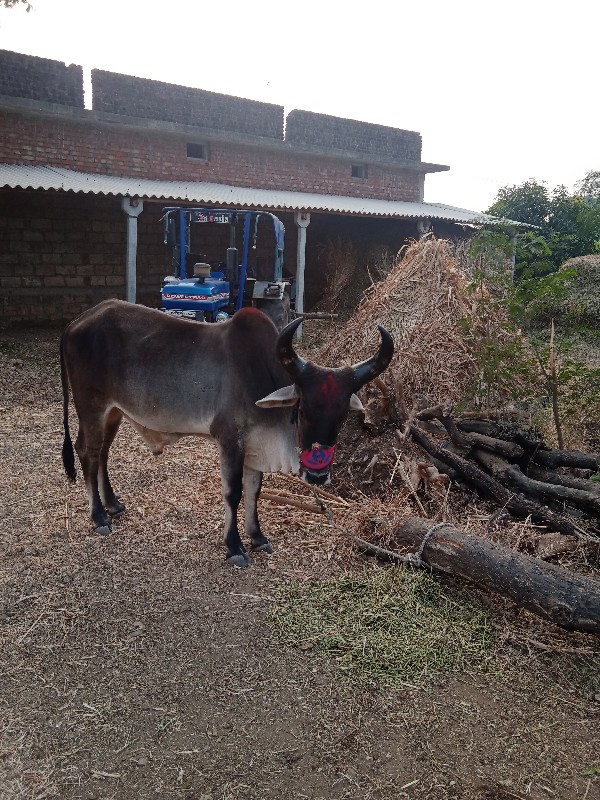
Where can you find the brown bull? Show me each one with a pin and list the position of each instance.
(171, 378)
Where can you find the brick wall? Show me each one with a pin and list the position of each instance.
(107, 149)
(140, 97)
(40, 79)
(62, 253)
(301, 163)
(325, 132)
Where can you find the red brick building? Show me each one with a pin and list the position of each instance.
(82, 187)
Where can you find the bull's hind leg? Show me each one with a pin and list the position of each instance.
(111, 502)
(252, 484)
(88, 445)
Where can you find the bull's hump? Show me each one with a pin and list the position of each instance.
(250, 316)
(250, 311)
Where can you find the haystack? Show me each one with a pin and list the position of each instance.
(431, 306)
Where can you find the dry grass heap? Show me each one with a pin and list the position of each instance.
(428, 305)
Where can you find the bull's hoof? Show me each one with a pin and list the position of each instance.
(104, 530)
(262, 547)
(239, 560)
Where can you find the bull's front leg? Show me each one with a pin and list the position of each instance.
(252, 484)
(232, 470)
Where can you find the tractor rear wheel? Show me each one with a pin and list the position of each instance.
(278, 311)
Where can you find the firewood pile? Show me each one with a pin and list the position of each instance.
(417, 443)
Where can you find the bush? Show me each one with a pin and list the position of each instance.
(576, 305)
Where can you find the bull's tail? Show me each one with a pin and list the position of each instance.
(68, 454)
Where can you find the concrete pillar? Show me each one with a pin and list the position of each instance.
(423, 227)
(133, 207)
(302, 220)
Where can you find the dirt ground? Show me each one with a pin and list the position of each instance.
(140, 665)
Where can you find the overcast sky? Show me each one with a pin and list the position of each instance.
(500, 91)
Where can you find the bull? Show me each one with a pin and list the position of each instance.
(170, 378)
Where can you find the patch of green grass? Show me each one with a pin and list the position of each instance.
(389, 627)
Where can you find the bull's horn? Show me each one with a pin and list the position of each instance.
(286, 354)
(367, 370)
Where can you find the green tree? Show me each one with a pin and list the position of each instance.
(589, 187)
(529, 202)
(566, 225)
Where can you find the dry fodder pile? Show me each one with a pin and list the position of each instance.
(445, 323)
(431, 306)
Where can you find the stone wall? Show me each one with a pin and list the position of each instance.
(36, 78)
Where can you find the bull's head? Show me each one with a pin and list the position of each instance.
(323, 398)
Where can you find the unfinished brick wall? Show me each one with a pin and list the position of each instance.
(40, 79)
(61, 253)
(139, 97)
(305, 162)
(325, 132)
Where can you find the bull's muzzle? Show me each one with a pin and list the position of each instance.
(315, 464)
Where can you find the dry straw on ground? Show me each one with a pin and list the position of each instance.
(140, 665)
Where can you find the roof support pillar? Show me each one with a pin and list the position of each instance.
(133, 207)
(423, 227)
(302, 220)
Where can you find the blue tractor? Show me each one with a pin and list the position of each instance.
(211, 290)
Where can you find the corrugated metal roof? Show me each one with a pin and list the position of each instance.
(211, 194)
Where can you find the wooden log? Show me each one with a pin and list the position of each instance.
(512, 501)
(509, 450)
(445, 417)
(464, 440)
(567, 458)
(540, 474)
(501, 469)
(304, 505)
(508, 432)
(567, 599)
(314, 315)
(486, 427)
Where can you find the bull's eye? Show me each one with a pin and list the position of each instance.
(305, 418)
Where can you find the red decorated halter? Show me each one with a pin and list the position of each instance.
(317, 458)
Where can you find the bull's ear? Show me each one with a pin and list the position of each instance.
(355, 404)
(288, 396)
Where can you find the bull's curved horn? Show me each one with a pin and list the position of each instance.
(365, 371)
(286, 354)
